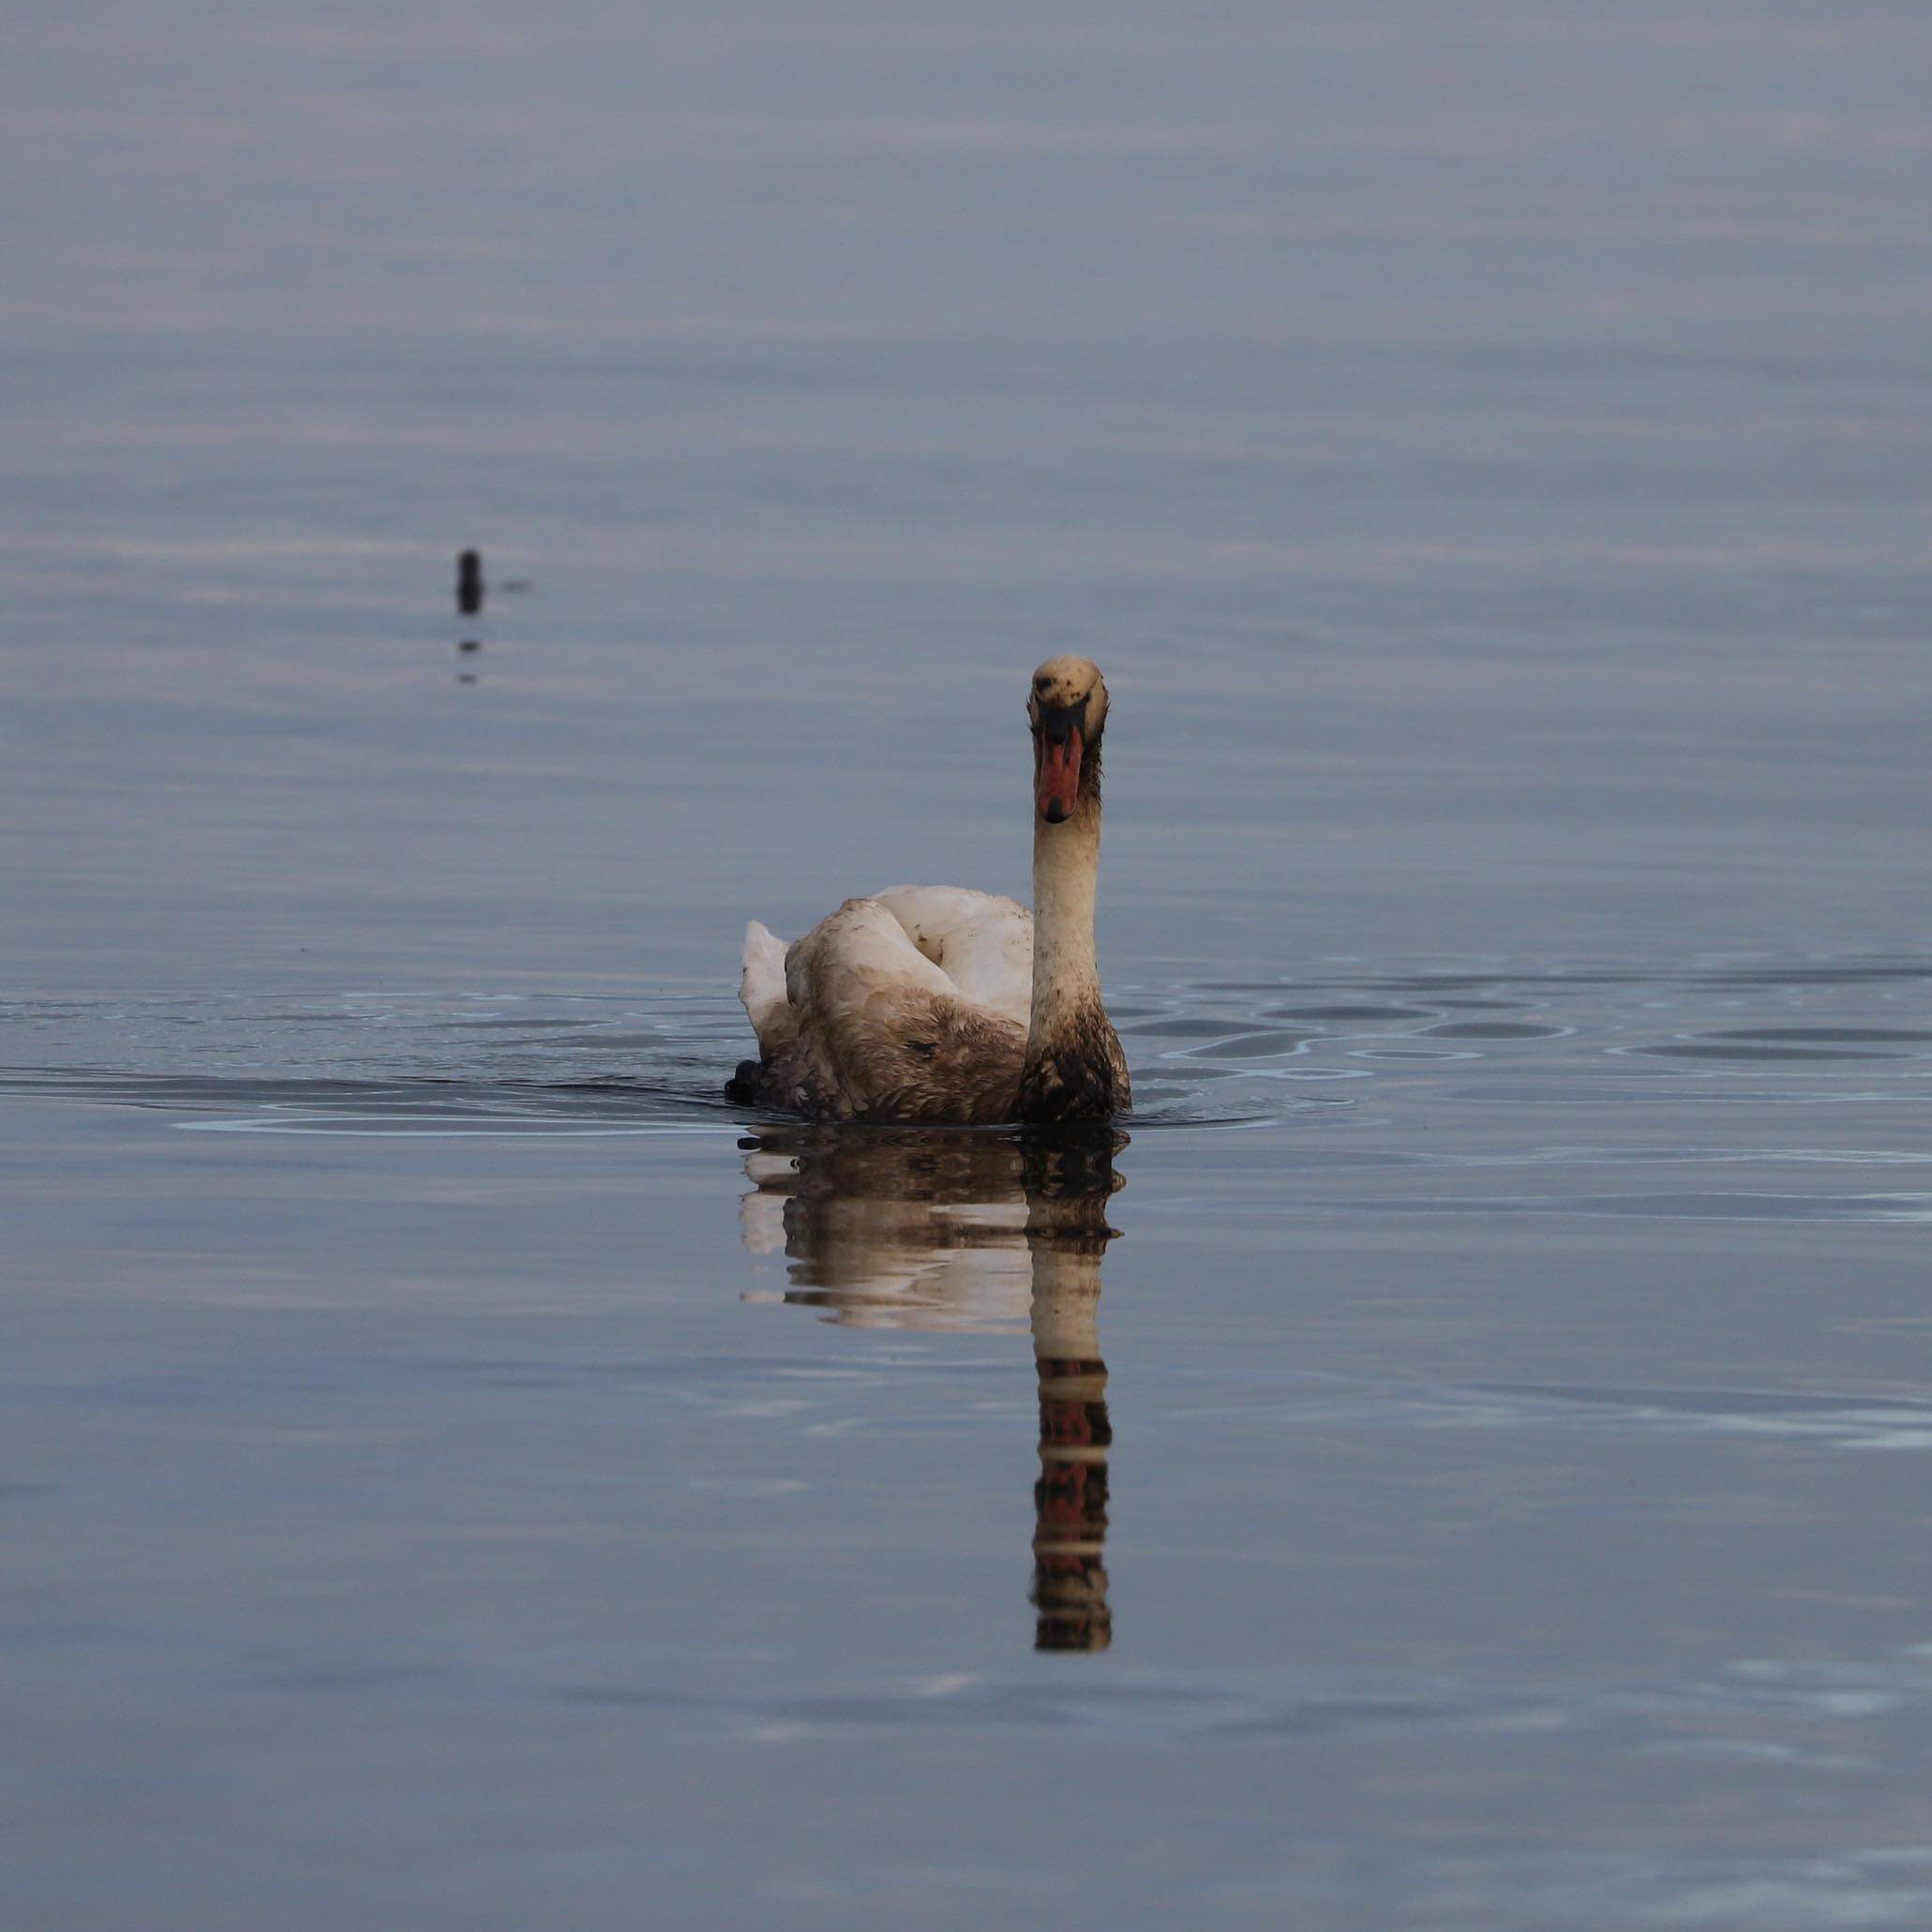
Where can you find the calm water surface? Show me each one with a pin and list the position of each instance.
(1457, 1462)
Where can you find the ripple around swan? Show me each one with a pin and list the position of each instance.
(425, 1067)
(1208, 1053)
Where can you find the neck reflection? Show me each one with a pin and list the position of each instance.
(979, 1232)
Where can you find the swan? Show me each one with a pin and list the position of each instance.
(935, 1003)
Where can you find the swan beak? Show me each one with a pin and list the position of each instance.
(1060, 777)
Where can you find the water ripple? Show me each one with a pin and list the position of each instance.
(1210, 1051)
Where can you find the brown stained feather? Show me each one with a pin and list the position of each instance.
(941, 1060)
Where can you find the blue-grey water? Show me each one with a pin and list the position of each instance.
(1461, 1462)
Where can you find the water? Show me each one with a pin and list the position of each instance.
(1457, 1463)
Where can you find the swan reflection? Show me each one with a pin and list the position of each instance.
(925, 1229)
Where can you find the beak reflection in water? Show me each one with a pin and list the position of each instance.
(921, 1228)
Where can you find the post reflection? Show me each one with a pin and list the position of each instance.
(925, 1229)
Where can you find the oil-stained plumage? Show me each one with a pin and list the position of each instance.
(935, 1003)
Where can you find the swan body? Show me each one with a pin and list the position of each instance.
(936, 1003)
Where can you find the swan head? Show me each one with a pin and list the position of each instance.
(1067, 708)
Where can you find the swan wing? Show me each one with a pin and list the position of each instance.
(762, 989)
(881, 1031)
(984, 943)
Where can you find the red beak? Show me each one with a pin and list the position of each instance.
(1060, 778)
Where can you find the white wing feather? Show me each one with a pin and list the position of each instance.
(981, 942)
(840, 1013)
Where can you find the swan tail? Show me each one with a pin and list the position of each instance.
(761, 987)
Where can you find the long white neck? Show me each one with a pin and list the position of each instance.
(1066, 874)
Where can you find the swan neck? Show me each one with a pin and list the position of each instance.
(1066, 876)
